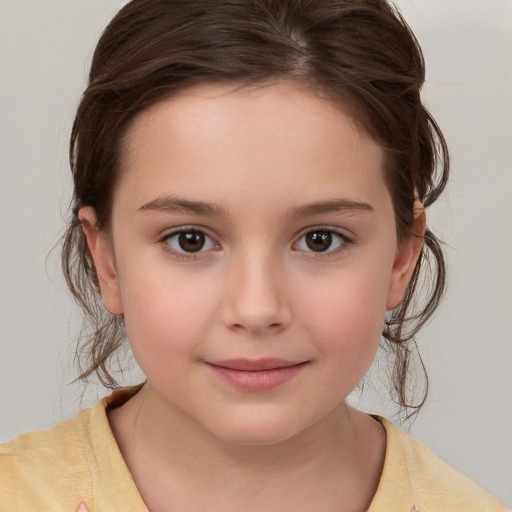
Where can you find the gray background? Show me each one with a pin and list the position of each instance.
(44, 49)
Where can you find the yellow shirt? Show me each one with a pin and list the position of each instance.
(78, 461)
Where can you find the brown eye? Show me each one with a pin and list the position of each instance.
(191, 241)
(321, 240)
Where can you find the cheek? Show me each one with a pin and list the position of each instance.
(166, 313)
(346, 315)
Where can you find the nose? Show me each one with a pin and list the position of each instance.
(255, 296)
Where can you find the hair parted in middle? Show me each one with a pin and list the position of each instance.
(359, 54)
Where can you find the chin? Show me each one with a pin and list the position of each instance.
(260, 432)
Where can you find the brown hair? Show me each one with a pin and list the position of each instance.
(361, 54)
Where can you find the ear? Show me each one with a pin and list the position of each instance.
(100, 247)
(406, 257)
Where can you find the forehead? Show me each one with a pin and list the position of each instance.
(280, 137)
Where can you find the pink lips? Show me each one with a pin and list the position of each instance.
(256, 375)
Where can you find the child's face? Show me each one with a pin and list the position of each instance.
(287, 251)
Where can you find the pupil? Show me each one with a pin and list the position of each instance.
(191, 241)
(319, 241)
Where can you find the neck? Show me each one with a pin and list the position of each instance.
(162, 446)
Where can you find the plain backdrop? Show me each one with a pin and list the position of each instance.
(45, 47)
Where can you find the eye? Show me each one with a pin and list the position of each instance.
(189, 241)
(321, 241)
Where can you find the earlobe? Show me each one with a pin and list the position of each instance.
(406, 258)
(102, 253)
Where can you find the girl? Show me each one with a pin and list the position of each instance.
(251, 180)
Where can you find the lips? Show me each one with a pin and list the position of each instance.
(256, 375)
(255, 365)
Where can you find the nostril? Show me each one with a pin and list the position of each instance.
(255, 305)
(272, 327)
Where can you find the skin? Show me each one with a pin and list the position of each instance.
(262, 157)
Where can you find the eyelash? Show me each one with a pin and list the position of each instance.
(184, 229)
(342, 238)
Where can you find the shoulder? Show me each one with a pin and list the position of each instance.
(40, 468)
(76, 461)
(434, 485)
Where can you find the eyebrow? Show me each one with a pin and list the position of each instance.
(173, 204)
(332, 206)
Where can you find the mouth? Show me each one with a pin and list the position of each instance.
(255, 365)
(256, 375)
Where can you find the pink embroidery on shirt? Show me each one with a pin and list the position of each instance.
(82, 508)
